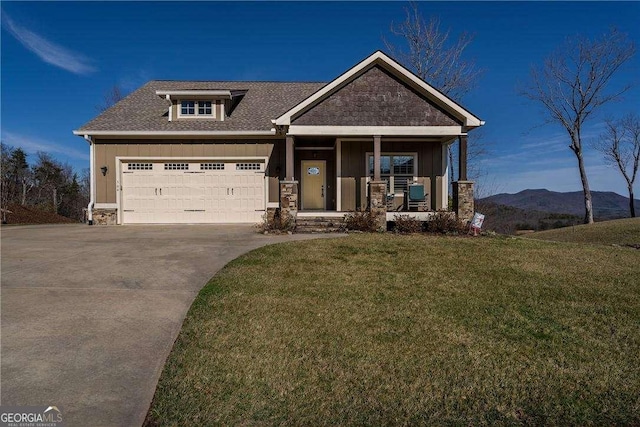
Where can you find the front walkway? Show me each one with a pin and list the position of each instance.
(89, 314)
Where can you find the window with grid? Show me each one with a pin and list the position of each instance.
(204, 108)
(211, 166)
(396, 169)
(176, 166)
(248, 166)
(188, 108)
(140, 166)
(196, 108)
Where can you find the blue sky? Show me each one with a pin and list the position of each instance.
(59, 58)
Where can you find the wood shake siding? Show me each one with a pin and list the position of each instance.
(376, 98)
(107, 151)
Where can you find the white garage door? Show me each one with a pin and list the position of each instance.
(192, 192)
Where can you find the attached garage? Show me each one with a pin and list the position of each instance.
(191, 192)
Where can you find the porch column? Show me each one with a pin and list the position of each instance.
(463, 197)
(376, 158)
(462, 158)
(289, 159)
(378, 190)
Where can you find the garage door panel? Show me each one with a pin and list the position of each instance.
(174, 194)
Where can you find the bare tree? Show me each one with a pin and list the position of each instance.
(111, 98)
(433, 54)
(572, 84)
(620, 146)
(5, 179)
(437, 58)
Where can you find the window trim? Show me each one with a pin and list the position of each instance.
(196, 107)
(388, 177)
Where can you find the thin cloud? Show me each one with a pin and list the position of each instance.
(49, 52)
(32, 145)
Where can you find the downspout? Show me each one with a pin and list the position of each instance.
(92, 180)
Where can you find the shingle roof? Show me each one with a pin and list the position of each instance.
(143, 110)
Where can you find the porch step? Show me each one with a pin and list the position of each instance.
(319, 224)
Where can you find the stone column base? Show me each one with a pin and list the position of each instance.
(378, 203)
(463, 204)
(105, 216)
(289, 201)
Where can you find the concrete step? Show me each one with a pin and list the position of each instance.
(319, 224)
(318, 230)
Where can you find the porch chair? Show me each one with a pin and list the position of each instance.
(416, 198)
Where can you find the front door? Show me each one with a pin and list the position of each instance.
(314, 186)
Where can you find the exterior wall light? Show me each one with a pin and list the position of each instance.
(104, 170)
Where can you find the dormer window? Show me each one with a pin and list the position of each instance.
(216, 104)
(196, 109)
(204, 108)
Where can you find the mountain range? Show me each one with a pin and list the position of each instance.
(606, 204)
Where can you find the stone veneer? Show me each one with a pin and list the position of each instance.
(289, 200)
(378, 203)
(105, 216)
(463, 204)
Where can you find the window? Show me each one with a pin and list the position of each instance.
(140, 166)
(248, 166)
(176, 166)
(211, 166)
(196, 108)
(204, 108)
(396, 169)
(188, 108)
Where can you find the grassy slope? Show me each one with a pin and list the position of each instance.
(384, 329)
(620, 232)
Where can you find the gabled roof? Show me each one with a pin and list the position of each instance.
(143, 111)
(379, 58)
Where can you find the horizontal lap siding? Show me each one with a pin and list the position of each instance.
(106, 153)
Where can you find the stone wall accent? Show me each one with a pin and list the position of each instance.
(105, 216)
(271, 213)
(378, 203)
(376, 98)
(463, 204)
(289, 200)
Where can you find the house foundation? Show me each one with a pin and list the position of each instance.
(105, 216)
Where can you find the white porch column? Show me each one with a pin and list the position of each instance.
(376, 158)
(289, 159)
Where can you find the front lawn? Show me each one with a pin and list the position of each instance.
(377, 329)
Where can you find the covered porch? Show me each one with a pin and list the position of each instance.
(375, 138)
(335, 175)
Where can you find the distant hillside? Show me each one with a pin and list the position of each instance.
(508, 219)
(606, 205)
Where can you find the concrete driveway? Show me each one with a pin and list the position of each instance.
(89, 314)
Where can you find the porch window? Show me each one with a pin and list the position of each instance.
(396, 169)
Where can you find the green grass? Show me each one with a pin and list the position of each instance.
(616, 232)
(379, 329)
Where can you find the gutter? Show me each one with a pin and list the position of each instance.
(92, 179)
(174, 133)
